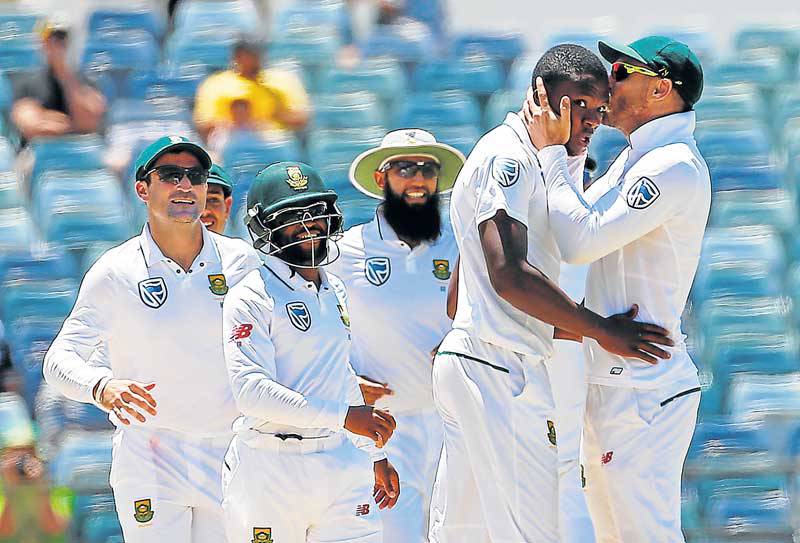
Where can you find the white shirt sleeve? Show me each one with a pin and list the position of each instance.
(250, 359)
(625, 213)
(66, 364)
(504, 183)
(355, 397)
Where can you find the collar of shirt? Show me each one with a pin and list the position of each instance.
(662, 131)
(518, 125)
(152, 253)
(382, 230)
(290, 277)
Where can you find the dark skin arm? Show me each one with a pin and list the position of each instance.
(504, 243)
(452, 292)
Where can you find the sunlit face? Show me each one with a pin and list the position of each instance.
(589, 100)
(166, 201)
(414, 189)
(218, 209)
(629, 97)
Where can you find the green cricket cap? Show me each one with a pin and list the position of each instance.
(284, 184)
(671, 59)
(218, 176)
(168, 144)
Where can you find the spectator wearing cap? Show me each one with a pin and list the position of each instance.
(248, 96)
(55, 100)
(218, 200)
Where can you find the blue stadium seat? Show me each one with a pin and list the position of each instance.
(99, 528)
(721, 107)
(358, 210)
(347, 110)
(387, 42)
(17, 23)
(41, 299)
(10, 195)
(746, 178)
(18, 57)
(105, 21)
(723, 446)
(216, 14)
(504, 47)
(463, 137)
(475, 74)
(80, 448)
(499, 105)
(586, 39)
(123, 50)
(756, 514)
(215, 56)
(313, 13)
(66, 153)
(332, 153)
(7, 155)
(165, 109)
(160, 83)
(309, 46)
(753, 395)
(754, 207)
(246, 149)
(445, 108)
(44, 263)
(17, 231)
(382, 77)
(6, 94)
(759, 37)
(740, 485)
(761, 67)
(699, 39)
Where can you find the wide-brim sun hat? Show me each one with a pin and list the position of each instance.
(400, 143)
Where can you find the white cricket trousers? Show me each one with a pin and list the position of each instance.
(167, 485)
(635, 442)
(315, 490)
(498, 478)
(568, 379)
(414, 451)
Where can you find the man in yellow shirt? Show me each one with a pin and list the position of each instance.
(266, 98)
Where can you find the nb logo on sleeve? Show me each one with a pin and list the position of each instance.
(241, 331)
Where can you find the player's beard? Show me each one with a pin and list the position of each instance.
(415, 222)
(298, 255)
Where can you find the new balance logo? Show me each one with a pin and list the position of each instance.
(606, 458)
(362, 510)
(241, 331)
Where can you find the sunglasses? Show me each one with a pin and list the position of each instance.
(174, 174)
(408, 169)
(621, 70)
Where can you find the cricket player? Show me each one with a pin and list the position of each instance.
(292, 475)
(218, 200)
(642, 226)
(396, 269)
(155, 305)
(498, 480)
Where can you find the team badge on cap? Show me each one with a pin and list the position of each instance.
(299, 315)
(441, 269)
(378, 269)
(143, 510)
(643, 193)
(262, 535)
(153, 292)
(296, 179)
(218, 285)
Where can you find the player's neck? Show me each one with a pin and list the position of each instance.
(309, 274)
(180, 242)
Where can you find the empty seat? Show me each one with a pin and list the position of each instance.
(499, 105)
(380, 76)
(123, 50)
(10, 194)
(754, 207)
(763, 513)
(66, 153)
(229, 14)
(109, 20)
(753, 396)
(404, 46)
(308, 45)
(347, 110)
(503, 46)
(17, 231)
(446, 108)
(475, 74)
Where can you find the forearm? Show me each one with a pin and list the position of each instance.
(259, 396)
(533, 293)
(33, 121)
(71, 375)
(355, 397)
(85, 105)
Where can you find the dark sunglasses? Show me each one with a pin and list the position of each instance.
(174, 174)
(408, 169)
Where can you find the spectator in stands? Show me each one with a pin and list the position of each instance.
(218, 200)
(250, 97)
(8, 379)
(55, 100)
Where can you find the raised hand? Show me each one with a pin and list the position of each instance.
(545, 126)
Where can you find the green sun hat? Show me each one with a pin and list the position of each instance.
(670, 58)
(168, 144)
(218, 176)
(405, 142)
(287, 183)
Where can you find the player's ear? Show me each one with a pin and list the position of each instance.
(142, 191)
(380, 179)
(536, 97)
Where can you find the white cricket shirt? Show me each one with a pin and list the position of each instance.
(287, 346)
(397, 298)
(642, 226)
(501, 172)
(159, 324)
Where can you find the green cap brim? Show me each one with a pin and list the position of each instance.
(187, 146)
(613, 51)
(367, 163)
